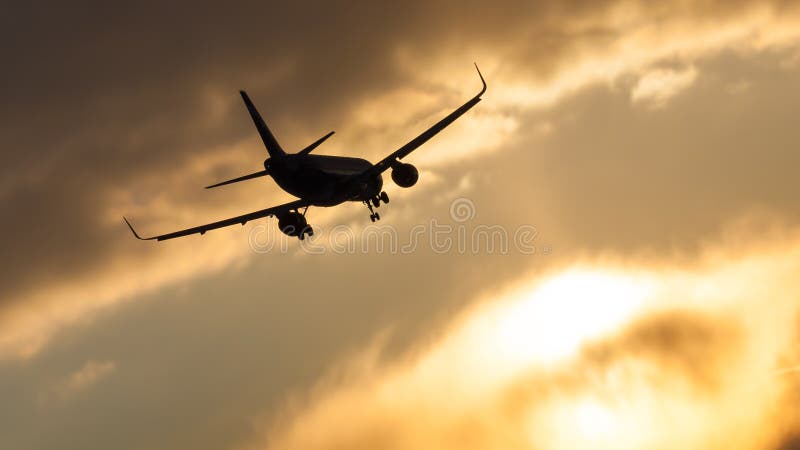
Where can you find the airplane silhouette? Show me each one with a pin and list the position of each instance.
(322, 180)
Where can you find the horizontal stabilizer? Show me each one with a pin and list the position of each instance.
(263, 173)
(316, 143)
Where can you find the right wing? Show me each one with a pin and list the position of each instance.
(415, 143)
(243, 219)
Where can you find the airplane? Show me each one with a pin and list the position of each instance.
(322, 180)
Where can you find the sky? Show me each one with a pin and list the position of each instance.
(602, 253)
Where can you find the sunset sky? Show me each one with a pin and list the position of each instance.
(647, 153)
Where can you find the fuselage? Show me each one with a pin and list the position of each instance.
(324, 180)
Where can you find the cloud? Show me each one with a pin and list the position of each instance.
(683, 343)
(90, 373)
(655, 88)
(82, 379)
(689, 361)
(132, 110)
(136, 110)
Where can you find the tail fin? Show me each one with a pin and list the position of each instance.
(273, 148)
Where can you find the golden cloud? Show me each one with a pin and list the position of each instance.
(656, 87)
(605, 354)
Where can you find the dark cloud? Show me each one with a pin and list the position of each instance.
(689, 349)
(683, 344)
(98, 97)
(790, 443)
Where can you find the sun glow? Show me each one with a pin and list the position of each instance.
(594, 420)
(549, 323)
(597, 356)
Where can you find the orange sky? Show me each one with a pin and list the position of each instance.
(652, 148)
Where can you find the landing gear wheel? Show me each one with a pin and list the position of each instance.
(376, 201)
(384, 197)
(373, 216)
(377, 216)
(301, 236)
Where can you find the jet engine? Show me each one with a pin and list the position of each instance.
(405, 175)
(294, 224)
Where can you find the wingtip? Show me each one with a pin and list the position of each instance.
(135, 234)
(482, 79)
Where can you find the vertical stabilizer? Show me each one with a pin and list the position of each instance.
(273, 148)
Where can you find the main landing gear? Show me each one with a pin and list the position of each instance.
(306, 229)
(376, 202)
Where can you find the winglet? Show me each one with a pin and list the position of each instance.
(482, 80)
(134, 231)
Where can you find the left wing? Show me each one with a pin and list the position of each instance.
(243, 219)
(403, 151)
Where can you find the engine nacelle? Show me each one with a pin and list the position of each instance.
(405, 175)
(294, 224)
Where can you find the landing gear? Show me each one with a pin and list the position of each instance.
(307, 231)
(373, 216)
(383, 197)
(376, 202)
